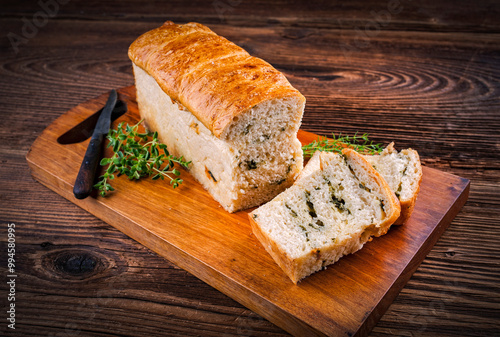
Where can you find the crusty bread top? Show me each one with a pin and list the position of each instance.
(211, 76)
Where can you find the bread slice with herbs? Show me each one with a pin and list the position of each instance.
(403, 172)
(331, 211)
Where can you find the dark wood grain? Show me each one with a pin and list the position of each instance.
(429, 79)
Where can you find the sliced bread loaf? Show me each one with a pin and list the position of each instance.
(403, 173)
(328, 213)
(234, 116)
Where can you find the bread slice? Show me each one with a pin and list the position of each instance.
(232, 115)
(330, 212)
(403, 173)
(401, 170)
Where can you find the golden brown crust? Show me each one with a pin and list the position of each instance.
(211, 76)
(393, 201)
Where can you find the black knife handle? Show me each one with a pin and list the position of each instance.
(85, 179)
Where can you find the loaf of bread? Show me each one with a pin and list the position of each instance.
(234, 116)
(331, 211)
(403, 172)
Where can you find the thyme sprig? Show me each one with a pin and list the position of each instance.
(136, 155)
(361, 144)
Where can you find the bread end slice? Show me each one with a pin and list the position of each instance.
(403, 173)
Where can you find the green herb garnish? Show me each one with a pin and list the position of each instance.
(359, 143)
(138, 155)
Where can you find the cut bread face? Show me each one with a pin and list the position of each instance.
(329, 212)
(401, 170)
(403, 173)
(257, 156)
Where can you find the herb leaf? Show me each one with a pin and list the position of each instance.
(359, 143)
(138, 155)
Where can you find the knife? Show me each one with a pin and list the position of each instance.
(85, 178)
(83, 130)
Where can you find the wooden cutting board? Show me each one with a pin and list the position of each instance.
(187, 227)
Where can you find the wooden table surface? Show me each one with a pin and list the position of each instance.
(423, 74)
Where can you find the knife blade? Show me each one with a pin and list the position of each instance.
(83, 130)
(85, 178)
